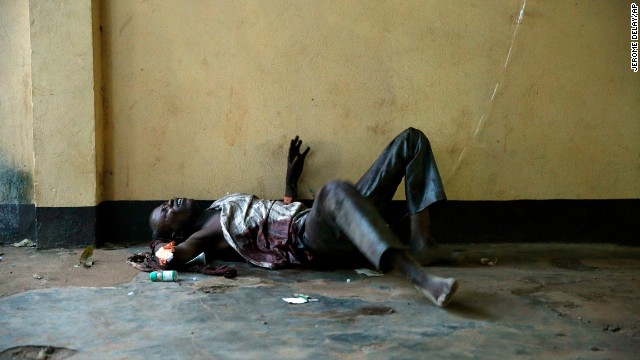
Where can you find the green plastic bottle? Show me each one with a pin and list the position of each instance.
(164, 275)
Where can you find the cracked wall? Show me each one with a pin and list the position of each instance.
(521, 99)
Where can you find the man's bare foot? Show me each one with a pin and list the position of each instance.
(439, 290)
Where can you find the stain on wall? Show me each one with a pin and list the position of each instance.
(16, 144)
(16, 208)
(16, 185)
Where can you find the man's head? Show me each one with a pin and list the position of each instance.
(173, 215)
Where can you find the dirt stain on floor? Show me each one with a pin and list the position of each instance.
(571, 264)
(350, 315)
(217, 289)
(29, 352)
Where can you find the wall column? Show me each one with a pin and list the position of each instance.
(66, 185)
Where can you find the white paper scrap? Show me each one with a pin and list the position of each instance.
(295, 300)
(368, 272)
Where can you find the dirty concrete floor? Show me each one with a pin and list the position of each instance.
(560, 301)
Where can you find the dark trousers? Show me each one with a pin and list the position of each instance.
(347, 217)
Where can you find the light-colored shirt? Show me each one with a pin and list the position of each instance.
(264, 232)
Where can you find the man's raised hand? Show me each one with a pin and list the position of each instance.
(295, 164)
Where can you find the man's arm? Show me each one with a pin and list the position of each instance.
(209, 237)
(295, 163)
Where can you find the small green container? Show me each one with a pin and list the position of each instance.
(165, 275)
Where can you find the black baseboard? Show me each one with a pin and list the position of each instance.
(17, 222)
(124, 221)
(67, 227)
(538, 221)
(532, 221)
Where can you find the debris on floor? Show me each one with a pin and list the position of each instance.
(24, 243)
(612, 328)
(489, 262)
(37, 352)
(295, 300)
(86, 258)
(368, 272)
(300, 299)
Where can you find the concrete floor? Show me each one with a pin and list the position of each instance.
(549, 301)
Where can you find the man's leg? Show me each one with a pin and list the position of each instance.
(340, 211)
(438, 290)
(408, 155)
(422, 245)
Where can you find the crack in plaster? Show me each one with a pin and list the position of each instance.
(487, 112)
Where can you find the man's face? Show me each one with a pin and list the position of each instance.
(172, 215)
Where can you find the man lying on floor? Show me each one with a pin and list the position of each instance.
(344, 218)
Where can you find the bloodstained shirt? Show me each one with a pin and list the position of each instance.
(266, 233)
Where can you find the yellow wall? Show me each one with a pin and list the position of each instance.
(51, 151)
(16, 144)
(204, 95)
(201, 97)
